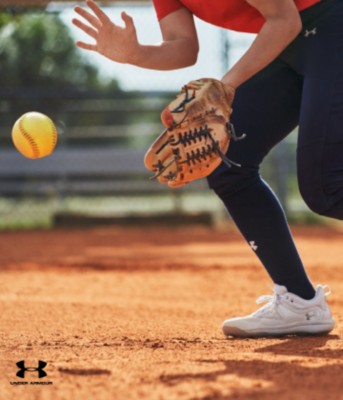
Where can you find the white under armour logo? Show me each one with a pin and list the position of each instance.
(253, 245)
(310, 315)
(311, 32)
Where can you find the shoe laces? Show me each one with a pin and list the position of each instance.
(270, 308)
(274, 300)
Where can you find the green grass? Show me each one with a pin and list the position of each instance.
(31, 213)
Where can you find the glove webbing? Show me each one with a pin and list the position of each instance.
(192, 136)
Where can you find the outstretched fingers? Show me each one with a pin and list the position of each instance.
(103, 18)
(128, 21)
(87, 46)
(85, 28)
(95, 23)
(111, 40)
(93, 20)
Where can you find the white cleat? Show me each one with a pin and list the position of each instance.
(284, 314)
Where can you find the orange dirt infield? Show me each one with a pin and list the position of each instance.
(128, 313)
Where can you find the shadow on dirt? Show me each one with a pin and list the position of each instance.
(274, 379)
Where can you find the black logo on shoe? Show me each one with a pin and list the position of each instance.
(23, 369)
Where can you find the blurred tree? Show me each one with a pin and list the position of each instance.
(42, 69)
(36, 50)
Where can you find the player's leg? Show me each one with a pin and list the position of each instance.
(266, 108)
(320, 144)
(320, 170)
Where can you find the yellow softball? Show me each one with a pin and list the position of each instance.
(34, 135)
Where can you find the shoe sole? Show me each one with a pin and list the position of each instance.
(320, 330)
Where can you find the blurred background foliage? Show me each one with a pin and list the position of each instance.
(42, 70)
(37, 51)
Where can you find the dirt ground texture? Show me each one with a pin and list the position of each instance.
(136, 313)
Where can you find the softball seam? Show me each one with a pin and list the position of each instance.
(32, 143)
(54, 135)
(27, 136)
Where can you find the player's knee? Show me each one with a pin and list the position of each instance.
(313, 201)
(322, 200)
(226, 181)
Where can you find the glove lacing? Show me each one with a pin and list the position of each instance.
(192, 136)
(186, 138)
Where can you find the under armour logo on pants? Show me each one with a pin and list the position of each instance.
(253, 245)
(310, 32)
(39, 369)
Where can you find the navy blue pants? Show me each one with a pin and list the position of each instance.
(303, 86)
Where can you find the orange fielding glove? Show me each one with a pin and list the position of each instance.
(197, 135)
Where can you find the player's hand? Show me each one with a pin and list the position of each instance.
(118, 43)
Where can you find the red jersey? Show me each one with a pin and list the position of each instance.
(237, 15)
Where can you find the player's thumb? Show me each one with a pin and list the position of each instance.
(128, 21)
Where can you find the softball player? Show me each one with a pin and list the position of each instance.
(291, 75)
